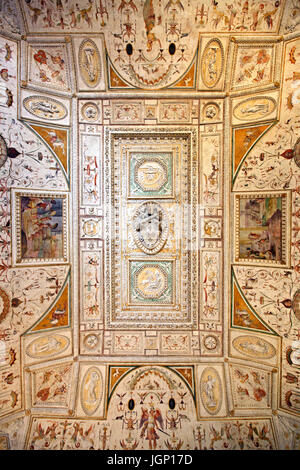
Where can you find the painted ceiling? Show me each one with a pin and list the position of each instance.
(149, 224)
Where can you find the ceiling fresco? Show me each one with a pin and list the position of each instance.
(149, 225)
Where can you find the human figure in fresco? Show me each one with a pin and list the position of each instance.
(30, 226)
(91, 387)
(209, 387)
(39, 228)
(150, 421)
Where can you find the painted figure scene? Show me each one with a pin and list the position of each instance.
(41, 234)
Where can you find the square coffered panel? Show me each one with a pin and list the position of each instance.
(151, 282)
(150, 175)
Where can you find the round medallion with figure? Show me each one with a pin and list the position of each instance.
(151, 281)
(151, 174)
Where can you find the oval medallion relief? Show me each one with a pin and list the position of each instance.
(89, 63)
(47, 346)
(212, 63)
(91, 390)
(253, 109)
(253, 346)
(47, 108)
(150, 227)
(296, 304)
(211, 390)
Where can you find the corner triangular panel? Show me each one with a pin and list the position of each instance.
(58, 141)
(243, 316)
(187, 373)
(114, 80)
(115, 374)
(58, 315)
(243, 140)
(188, 81)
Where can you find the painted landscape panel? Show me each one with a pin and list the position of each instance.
(260, 228)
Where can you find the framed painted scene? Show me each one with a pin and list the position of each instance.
(262, 228)
(40, 228)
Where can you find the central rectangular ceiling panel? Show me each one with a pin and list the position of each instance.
(151, 252)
